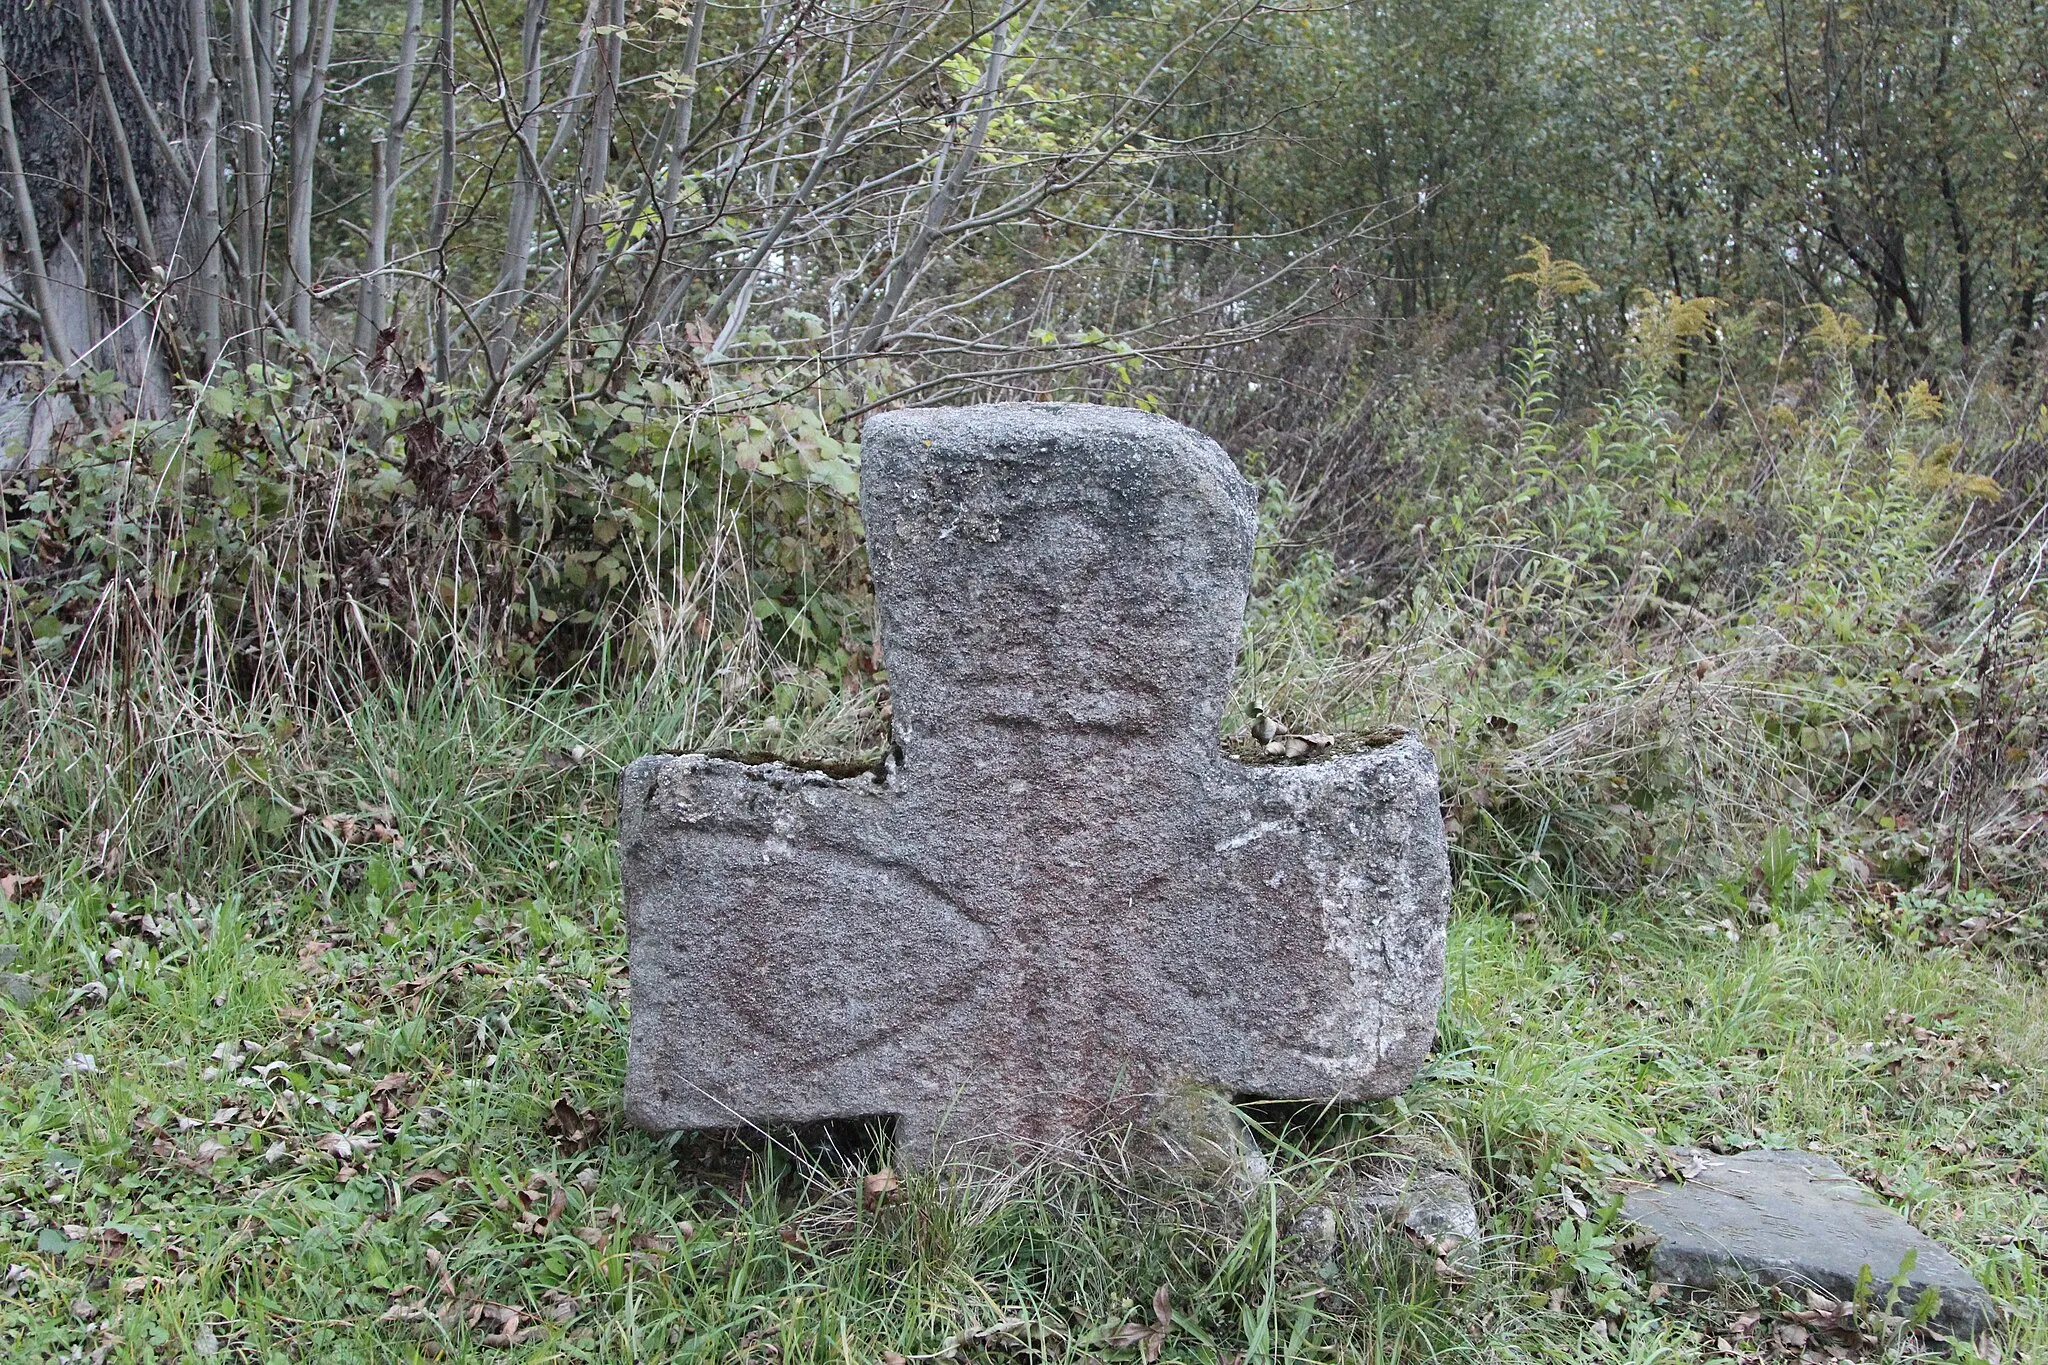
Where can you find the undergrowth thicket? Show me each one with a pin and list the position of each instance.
(1737, 679)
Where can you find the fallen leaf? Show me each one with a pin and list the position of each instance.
(438, 1260)
(14, 883)
(1151, 1340)
(880, 1188)
(345, 1146)
(574, 1130)
(508, 1326)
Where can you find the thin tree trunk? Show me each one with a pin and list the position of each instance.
(739, 290)
(597, 138)
(207, 283)
(117, 134)
(253, 96)
(312, 40)
(172, 161)
(946, 189)
(388, 155)
(444, 193)
(572, 103)
(679, 143)
(54, 340)
(1966, 283)
(526, 190)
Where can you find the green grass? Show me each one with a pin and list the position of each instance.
(202, 1183)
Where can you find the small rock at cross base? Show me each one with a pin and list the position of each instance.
(1194, 1133)
(1419, 1192)
(1797, 1220)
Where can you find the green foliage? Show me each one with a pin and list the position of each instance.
(285, 520)
(1724, 656)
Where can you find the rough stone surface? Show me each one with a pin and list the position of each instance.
(1196, 1134)
(1414, 1191)
(1433, 1205)
(14, 986)
(1798, 1220)
(1311, 1237)
(1057, 897)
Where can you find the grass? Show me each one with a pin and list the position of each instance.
(367, 1108)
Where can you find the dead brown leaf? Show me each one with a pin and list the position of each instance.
(507, 1334)
(574, 1130)
(879, 1188)
(346, 1147)
(1150, 1340)
(437, 1259)
(359, 829)
(540, 1203)
(391, 1096)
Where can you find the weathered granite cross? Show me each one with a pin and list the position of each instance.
(1058, 895)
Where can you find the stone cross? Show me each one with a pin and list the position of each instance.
(1057, 896)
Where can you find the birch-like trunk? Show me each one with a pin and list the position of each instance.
(524, 207)
(204, 234)
(387, 156)
(312, 40)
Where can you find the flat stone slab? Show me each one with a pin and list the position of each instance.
(1057, 897)
(1798, 1220)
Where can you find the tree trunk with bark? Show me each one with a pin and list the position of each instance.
(96, 228)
